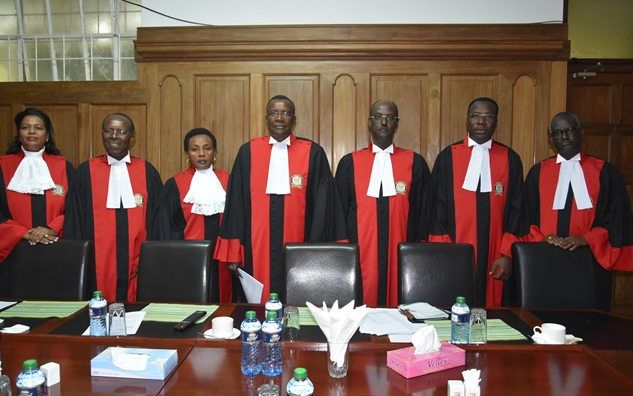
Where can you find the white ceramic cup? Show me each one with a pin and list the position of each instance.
(552, 333)
(222, 327)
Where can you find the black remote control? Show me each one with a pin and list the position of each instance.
(189, 320)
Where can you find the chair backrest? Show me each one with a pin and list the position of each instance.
(174, 271)
(58, 271)
(436, 273)
(319, 272)
(550, 277)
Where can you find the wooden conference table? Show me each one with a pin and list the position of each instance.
(602, 365)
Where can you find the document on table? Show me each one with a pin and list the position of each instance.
(132, 322)
(5, 304)
(252, 287)
(422, 310)
(382, 321)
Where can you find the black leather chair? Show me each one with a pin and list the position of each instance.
(436, 273)
(318, 272)
(59, 271)
(174, 271)
(550, 277)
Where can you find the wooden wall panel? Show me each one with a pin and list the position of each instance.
(595, 107)
(523, 119)
(137, 113)
(222, 106)
(303, 90)
(627, 104)
(7, 128)
(345, 129)
(410, 93)
(169, 140)
(457, 93)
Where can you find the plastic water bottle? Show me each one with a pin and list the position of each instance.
(460, 322)
(5, 384)
(251, 344)
(271, 345)
(273, 304)
(31, 381)
(300, 385)
(97, 309)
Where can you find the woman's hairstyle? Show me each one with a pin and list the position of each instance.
(49, 146)
(199, 131)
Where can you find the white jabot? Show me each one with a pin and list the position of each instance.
(571, 171)
(278, 170)
(32, 175)
(478, 167)
(206, 193)
(381, 173)
(119, 185)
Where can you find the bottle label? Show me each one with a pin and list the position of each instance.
(39, 390)
(97, 311)
(460, 318)
(271, 337)
(250, 336)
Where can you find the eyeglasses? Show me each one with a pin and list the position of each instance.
(285, 114)
(114, 132)
(380, 118)
(486, 116)
(571, 132)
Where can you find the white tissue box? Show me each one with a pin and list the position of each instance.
(409, 365)
(159, 364)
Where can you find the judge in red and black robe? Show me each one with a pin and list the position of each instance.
(36, 186)
(192, 203)
(484, 209)
(302, 203)
(591, 206)
(384, 203)
(116, 208)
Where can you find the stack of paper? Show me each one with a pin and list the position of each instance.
(422, 310)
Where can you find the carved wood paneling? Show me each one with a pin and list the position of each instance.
(169, 140)
(346, 133)
(223, 106)
(523, 119)
(7, 127)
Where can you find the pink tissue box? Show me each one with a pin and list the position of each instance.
(406, 363)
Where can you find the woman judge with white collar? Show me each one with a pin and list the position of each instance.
(36, 185)
(192, 203)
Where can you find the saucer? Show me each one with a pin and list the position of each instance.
(569, 340)
(209, 334)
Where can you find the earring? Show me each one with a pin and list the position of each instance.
(187, 159)
(214, 158)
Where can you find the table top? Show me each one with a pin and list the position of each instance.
(593, 368)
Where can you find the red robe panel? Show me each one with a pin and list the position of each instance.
(463, 216)
(17, 210)
(607, 226)
(406, 219)
(195, 224)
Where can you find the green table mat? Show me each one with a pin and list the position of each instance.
(174, 313)
(306, 318)
(498, 330)
(43, 309)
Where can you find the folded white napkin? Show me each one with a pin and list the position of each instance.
(426, 340)
(128, 361)
(338, 325)
(16, 329)
(471, 377)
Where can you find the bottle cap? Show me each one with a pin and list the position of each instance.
(271, 315)
(460, 299)
(301, 373)
(97, 293)
(274, 296)
(30, 364)
(250, 314)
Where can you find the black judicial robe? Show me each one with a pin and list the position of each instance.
(256, 225)
(379, 224)
(491, 222)
(117, 233)
(174, 220)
